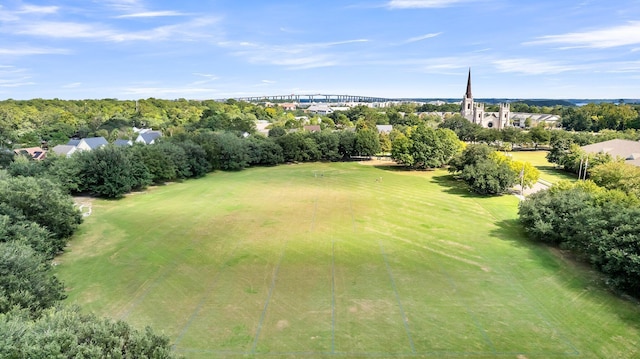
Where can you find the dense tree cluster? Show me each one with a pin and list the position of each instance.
(597, 117)
(112, 171)
(66, 332)
(423, 147)
(37, 218)
(602, 226)
(489, 172)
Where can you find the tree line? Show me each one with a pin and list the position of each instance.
(31, 122)
(599, 225)
(37, 219)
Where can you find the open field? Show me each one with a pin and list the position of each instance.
(548, 171)
(340, 260)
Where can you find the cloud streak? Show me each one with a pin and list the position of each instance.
(623, 35)
(151, 14)
(532, 67)
(423, 4)
(423, 37)
(294, 56)
(25, 51)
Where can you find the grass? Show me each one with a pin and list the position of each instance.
(548, 170)
(284, 263)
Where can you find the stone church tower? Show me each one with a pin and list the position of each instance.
(475, 113)
(503, 115)
(466, 109)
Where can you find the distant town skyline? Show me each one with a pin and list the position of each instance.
(130, 49)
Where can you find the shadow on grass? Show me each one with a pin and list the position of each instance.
(454, 186)
(578, 275)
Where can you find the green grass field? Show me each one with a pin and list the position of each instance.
(548, 171)
(340, 260)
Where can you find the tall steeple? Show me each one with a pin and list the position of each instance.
(469, 85)
(466, 106)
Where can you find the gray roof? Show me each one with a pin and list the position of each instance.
(95, 142)
(122, 143)
(63, 149)
(626, 149)
(150, 136)
(92, 142)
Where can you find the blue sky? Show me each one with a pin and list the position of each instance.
(128, 49)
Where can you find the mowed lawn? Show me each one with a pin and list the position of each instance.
(548, 170)
(340, 260)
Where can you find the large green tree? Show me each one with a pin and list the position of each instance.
(68, 333)
(42, 201)
(26, 280)
(106, 172)
(424, 147)
(367, 142)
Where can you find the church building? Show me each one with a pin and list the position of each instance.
(475, 113)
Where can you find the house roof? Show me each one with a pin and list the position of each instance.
(122, 143)
(95, 142)
(626, 149)
(319, 108)
(64, 149)
(312, 128)
(149, 136)
(36, 153)
(92, 142)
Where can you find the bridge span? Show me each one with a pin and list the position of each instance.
(312, 98)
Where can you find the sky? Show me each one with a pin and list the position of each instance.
(214, 49)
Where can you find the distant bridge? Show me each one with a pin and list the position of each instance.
(316, 98)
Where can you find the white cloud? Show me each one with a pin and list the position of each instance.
(24, 51)
(58, 29)
(11, 76)
(34, 9)
(423, 37)
(75, 30)
(420, 4)
(294, 56)
(268, 82)
(124, 5)
(532, 66)
(148, 14)
(623, 35)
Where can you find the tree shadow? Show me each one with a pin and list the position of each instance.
(453, 185)
(578, 275)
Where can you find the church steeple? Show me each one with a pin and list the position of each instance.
(467, 107)
(468, 95)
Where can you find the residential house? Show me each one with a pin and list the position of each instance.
(64, 150)
(88, 144)
(36, 153)
(312, 128)
(289, 106)
(625, 149)
(122, 143)
(148, 137)
(320, 109)
(83, 144)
